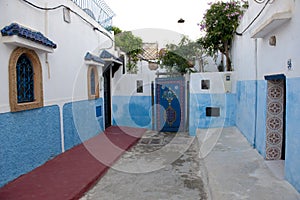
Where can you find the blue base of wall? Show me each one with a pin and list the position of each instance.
(251, 112)
(253, 124)
(198, 105)
(81, 122)
(28, 139)
(292, 161)
(133, 111)
(260, 137)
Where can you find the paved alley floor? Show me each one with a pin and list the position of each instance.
(161, 166)
(236, 171)
(219, 164)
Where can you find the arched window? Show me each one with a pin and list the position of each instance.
(93, 83)
(25, 80)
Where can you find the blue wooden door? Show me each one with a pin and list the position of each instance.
(170, 101)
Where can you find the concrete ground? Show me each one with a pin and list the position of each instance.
(236, 171)
(218, 164)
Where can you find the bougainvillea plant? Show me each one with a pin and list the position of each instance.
(219, 24)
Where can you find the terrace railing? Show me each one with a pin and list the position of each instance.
(98, 10)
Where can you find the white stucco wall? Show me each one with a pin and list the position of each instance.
(253, 62)
(143, 68)
(216, 79)
(126, 85)
(66, 78)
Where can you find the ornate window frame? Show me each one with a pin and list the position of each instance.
(96, 94)
(37, 80)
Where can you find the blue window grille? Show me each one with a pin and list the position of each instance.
(25, 80)
(93, 84)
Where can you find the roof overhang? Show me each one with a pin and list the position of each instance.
(18, 35)
(21, 42)
(91, 59)
(111, 62)
(271, 24)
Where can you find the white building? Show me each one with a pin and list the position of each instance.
(266, 60)
(53, 56)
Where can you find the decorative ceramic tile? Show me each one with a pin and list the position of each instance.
(275, 117)
(23, 32)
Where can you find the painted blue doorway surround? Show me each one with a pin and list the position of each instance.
(170, 101)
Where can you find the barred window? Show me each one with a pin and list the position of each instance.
(25, 80)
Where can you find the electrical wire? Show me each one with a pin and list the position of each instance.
(249, 25)
(63, 6)
(41, 8)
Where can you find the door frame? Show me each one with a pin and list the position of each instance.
(107, 98)
(271, 82)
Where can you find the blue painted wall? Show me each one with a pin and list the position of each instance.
(81, 122)
(260, 135)
(247, 100)
(28, 139)
(198, 104)
(246, 105)
(292, 162)
(134, 111)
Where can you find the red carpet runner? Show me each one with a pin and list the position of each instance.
(71, 174)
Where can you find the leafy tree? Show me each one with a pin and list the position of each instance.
(219, 23)
(116, 30)
(178, 58)
(132, 46)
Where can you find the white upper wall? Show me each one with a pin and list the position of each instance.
(254, 63)
(217, 83)
(127, 85)
(66, 77)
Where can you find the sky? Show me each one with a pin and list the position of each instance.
(158, 18)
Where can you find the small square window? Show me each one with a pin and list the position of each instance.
(205, 84)
(212, 112)
(139, 86)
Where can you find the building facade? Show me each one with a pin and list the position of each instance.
(51, 81)
(265, 57)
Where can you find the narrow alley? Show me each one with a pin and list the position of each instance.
(168, 166)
